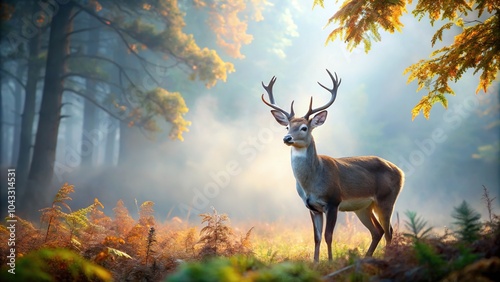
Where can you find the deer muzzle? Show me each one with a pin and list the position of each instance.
(288, 139)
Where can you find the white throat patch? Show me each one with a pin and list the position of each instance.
(299, 152)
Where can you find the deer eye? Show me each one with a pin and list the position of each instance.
(287, 128)
(303, 128)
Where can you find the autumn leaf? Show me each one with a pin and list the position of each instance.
(476, 48)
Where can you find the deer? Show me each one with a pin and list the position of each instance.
(366, 185)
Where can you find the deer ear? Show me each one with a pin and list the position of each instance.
(280, 117)
(318, 119)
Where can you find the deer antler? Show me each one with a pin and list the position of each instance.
(269, 90)
(336, 83)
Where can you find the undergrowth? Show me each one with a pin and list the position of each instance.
(88, 245)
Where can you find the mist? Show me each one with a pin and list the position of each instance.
(233, 157)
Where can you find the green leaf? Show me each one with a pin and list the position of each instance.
(442, 99)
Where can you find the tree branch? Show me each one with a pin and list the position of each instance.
(82, 30)
(94, 102)
(86, 76)
(14, 77)
(75, 14)
(121, 69)
(474, 21)
(121, 32)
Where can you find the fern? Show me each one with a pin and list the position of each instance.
(78, 220)
(109, 253)
(115, 252)
(122, 222)
(244, 245)
(146, 214)
(216, 236)
(52, 214)
(151, 240)
(465, 258)
(426, 255)
(98, 220)
(467, 221)
(190, 240)
(417, 226)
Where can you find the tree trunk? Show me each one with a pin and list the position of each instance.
(131, 138)
(89, 146)
(124, 151)
(17, 116)
(44, 153)
(2, 133)
(28, 116)
(119, 55)
(109, 152)
(126, 140)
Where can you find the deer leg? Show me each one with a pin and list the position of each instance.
(384, 216)
(331, 219)
(369, 220)
(317, 219)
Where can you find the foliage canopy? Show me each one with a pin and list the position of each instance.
(476, 47)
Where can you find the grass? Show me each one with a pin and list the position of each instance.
(279, 241)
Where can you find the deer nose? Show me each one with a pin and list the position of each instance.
(287, 138)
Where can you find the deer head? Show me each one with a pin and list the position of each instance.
(299, 129)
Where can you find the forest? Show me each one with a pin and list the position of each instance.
(134, 145)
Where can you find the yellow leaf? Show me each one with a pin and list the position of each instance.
(424, 106)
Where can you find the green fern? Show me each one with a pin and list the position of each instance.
(417, 226)
(426, 255)
(467, 222)
(465, 258)
(77, 221)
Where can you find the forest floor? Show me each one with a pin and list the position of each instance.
(88, 245)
